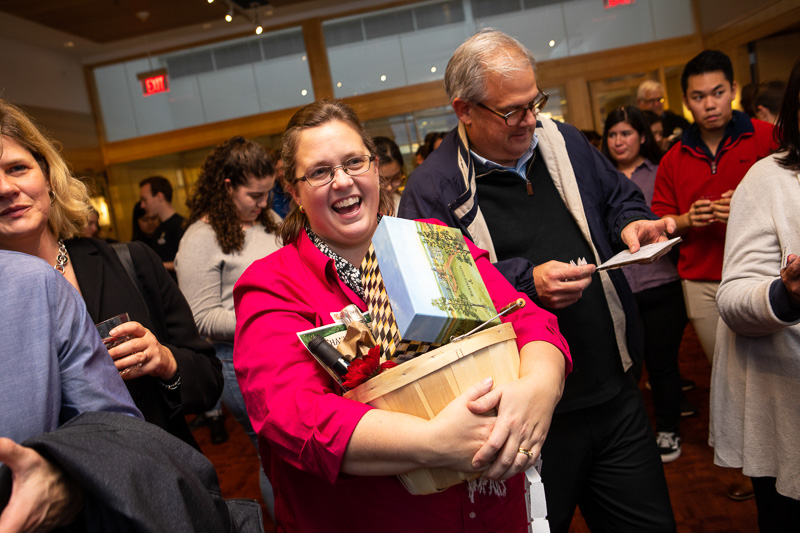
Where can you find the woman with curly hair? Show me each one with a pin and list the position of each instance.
(230, 226)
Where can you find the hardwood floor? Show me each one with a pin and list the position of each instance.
(697, 487)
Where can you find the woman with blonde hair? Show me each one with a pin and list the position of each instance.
(168, 369)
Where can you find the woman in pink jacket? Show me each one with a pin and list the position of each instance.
(332, 460)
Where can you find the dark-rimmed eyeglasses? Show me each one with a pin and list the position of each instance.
(319, 176)
(515, 116)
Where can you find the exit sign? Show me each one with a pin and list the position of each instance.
(154, 82)
(608, 4)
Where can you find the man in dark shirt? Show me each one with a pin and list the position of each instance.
(537, 195)
(156, 199)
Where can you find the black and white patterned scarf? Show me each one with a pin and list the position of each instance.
(349, 274)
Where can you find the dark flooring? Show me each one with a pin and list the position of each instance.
(697, 487)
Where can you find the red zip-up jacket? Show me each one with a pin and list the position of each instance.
(688, 172)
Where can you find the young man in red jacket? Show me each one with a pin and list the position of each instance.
(697, 178)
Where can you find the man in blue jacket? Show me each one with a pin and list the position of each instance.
(537, 195)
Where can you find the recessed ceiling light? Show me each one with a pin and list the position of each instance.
(304, 92)
(339, 84)
(433, 69)
(552, 43)
(259, 29)
(383, 77)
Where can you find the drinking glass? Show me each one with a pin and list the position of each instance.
(104, 328)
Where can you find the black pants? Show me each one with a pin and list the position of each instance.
(663, 316)
(776, 513)
(605, 460)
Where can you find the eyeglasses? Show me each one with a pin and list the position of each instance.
(397, 178)
(654, 101)
(319, 176)
(515, 116)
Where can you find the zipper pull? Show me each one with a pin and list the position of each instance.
(529, 186)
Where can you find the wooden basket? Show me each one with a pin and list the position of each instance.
(425, 385)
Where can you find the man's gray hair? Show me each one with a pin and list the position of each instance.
(489, 50)
(648, 86)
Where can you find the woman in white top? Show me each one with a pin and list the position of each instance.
(755, 381)
(231, 225)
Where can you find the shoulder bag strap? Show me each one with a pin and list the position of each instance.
(124, 254)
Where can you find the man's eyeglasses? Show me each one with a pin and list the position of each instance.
(515, 116)
(654, 101)
(319, 176)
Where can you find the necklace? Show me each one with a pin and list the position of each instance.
(62, 258)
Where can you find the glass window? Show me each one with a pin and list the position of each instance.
(409, 45)
(218, 82)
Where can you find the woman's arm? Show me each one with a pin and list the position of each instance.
(753, 249)
(525, 410)
(200, 278)
(200, 370)
(386, 443)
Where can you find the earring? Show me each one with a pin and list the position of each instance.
(302, 210)
(52, 196)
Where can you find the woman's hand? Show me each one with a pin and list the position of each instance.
(141, 355)
(42, 496)
(524, 414)
(458, 432)
(790, 276)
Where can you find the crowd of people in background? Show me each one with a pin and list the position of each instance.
(272, 246)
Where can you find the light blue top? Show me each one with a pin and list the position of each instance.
(53, 365)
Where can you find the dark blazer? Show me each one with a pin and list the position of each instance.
(137, 478)
(108, 291)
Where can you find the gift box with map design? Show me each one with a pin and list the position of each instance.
(422, 287)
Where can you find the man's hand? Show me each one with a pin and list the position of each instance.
(721, 208)
(641, 232)
(42, 496)
(559, 285)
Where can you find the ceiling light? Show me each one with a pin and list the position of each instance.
(433, 69)
(339, 84)
(229, 15)
(383, 77)
(304, 92)
(259, 29)
(210, 1)
(552, 43)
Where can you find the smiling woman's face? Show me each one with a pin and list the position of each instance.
(24, 198)
(343, 212)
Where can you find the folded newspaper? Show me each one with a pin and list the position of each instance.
(646, 254)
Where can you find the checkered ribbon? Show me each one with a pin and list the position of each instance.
(384, 326)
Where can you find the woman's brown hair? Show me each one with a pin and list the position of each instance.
(314, 115)
(236, 160)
